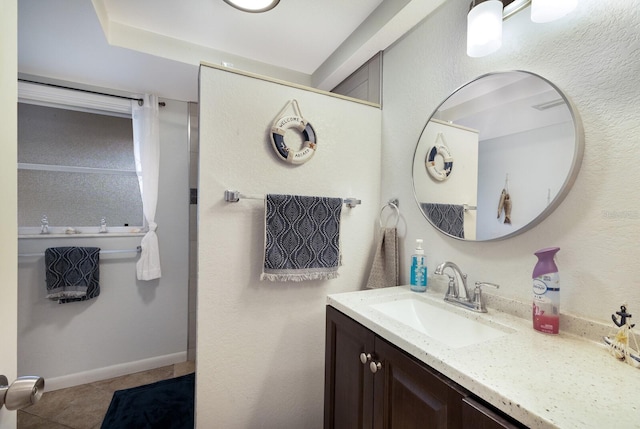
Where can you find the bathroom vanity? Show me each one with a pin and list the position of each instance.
(370, 383)
(398, 359)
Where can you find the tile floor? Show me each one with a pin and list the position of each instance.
(84, 407)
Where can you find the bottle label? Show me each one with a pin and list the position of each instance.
(546, 303)
(418, 275)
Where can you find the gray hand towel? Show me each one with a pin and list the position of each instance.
(384, 270)
(302, 238)
(72, 273)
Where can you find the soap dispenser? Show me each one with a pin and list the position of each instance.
(418, 269)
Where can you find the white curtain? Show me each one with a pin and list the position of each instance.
(146, 146)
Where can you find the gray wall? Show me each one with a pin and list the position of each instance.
(194, 154)
(133, 325)
(364, 83)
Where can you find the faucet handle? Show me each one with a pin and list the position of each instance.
(477, 295)
(452, 290)
(480, 284)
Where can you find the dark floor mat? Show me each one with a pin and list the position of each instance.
(166, 404)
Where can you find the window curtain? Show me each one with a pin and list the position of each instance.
(146, 147)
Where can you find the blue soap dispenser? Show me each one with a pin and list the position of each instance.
(418, 269)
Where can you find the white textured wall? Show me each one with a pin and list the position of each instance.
(261, 344)
(131, 320)
(594, 56)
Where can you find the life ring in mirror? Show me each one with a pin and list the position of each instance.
(439, 148)
(279, 129)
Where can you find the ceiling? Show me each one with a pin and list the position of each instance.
(297, 34)
(157, 45)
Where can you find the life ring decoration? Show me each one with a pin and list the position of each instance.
(279, 129)
(439, 148)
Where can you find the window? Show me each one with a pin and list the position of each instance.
(76, 167)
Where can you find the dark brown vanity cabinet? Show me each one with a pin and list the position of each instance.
(348, 386)
(370, 383)
(478, 416)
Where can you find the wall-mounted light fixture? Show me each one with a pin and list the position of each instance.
(484, 21)
(484, 27)
(253, 6)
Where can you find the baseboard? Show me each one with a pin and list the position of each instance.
(98, 374)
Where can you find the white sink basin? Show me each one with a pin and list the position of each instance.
(445, 326)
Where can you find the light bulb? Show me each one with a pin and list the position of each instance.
(253, 5)
(550, 10)
(484, 28)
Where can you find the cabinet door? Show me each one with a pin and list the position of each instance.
(348, 395)
(409, 395)
(477, 416)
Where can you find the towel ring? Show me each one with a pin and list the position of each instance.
(395, 209)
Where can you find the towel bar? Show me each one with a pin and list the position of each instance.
(138, 249)
(235, 196)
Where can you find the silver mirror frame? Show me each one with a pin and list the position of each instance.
(568, 182)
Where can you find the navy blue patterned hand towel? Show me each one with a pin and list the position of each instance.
(447, 217)
(302, 238)
(72, 273)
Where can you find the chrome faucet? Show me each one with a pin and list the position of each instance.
(453, 290)
(473, 303)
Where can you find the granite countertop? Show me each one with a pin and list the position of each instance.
(563, 381)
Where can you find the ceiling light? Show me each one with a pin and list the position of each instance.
(253, 5)
(550, 10)
(484, 20)
(484, 27)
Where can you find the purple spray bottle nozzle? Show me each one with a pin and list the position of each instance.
(546, 263)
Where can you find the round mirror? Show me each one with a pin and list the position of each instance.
(497, 156)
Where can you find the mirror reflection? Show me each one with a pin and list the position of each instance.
(497, 156)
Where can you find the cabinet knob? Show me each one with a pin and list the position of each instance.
(364, 358)
(375, 366)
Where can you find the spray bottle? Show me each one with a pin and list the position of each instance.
(418, 269)
(546, 292)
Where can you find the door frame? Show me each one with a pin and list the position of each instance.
(9, 192)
